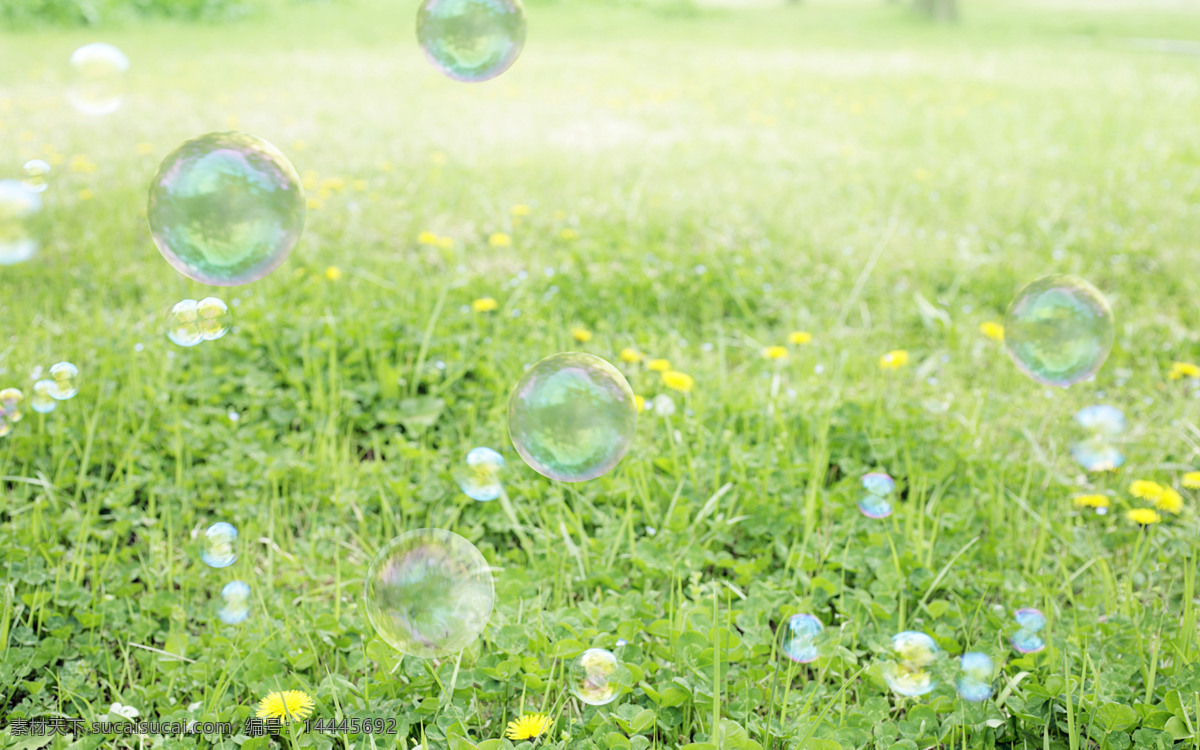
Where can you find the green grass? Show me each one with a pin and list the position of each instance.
(733, 175)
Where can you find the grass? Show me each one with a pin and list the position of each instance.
(733, 175)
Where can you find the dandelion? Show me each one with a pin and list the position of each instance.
(775, 352)
(1099, 502)
(632, 356)
(333, 273)
(799, 338)
(86, 195)
(582, 335)
(659, 365)
(921, 174)
(335, 184)
(299, 144)
(309, 179)
(520, 210)
(640, 403)
(1146, 490)
(145, 149)
(568, 234)
(992, 330)
(1191, 480)
(1169, 501)
(894, 360)
(314, 203)
(1183, 370)
(289, 705)
(386, 166)
(427, 238)
(499, 239)
(80, 163)
(527, 727)
(360, 186)
(1143, 516)
(484, 304)
(678, 381)
(445, 243)
(438, 158)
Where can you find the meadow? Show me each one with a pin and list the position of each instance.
(695, 183)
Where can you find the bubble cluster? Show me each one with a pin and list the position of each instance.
(65, 377)
(1098, 433)
(800, 638)
(479, 478)
(220, 545)
(572, 417)
(17, 205)
(235, 602)
(1028, 638)
(428, 592)
(975, 677)
(1059, 330)
(226, 208)
(471, 40)
(12, 409)
(189, 322)
(97, 79)
(36, 174)
(875, 501)
(595, 677)
(908, 669)
(41, 398)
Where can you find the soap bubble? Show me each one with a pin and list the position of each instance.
(572, 417)
(214, 318)
(12, 404)
(183, 323)
(1059, 330)
(879, 484)
(428, 592)
(17, 205)
(596, 677)
(66, 381)
(1027, 642)
(97, 79)
(874, 501)
(36, 172)
(1030, 622)
(800, 636)
(220, 545)
(235, 603)
(41, 399)
(471, 40)
(1098, 429)
(908, 669)
(480, 477)
(225, 208)
(975, 679)
(1030, 619)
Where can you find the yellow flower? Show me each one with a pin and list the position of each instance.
(799, 337)
(568, 234)
(385, 166)
(289, 705)
(80, 163)
(582, 335)
(659, 365)
(499, 239)
(427, 238)
(1183, 370)
(631, 355)
(145, 149)
(921, 174)
(85, 195)
(775, 352)
(527, 727)
(336, 184)
(1092, 501)
(360, 186)
(1170, 501)
(437, 157)
(520, 210)
(445, 243)
(314, 203)
(894, 360)
(1144, 516)
(299, 144)
(992, 330)
(1146, 490)
(1191, 480)
(309, 179)
(678, 381)
(484, 304)
(333, 273)
(640, 403)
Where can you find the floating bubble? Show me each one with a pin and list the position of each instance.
(572, 417)
(214, 318)
(235, 603)
(909, 668)
(66, 381)
(1059, 330)
(1099, 430)
(226, 208)
(17, 205)
(12, 404)
(183, 323)
(428, 592)
(220, 545)
(1102, 419)
(6, 425)
(36, 175)
(480, 478)
(1027, 642)
(879, 484)
(975, 679)
(874, 506)
(41, 399)
(595, 677)
(97, 79)
(1030, 622)
(471, 40)
(1030, 619)
(800, 638)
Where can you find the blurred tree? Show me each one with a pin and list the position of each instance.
(938, 10)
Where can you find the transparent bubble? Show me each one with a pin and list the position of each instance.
(572, 417)
(800, 638)
(97, 79)
(596, 677)
(428, 592)
(471, 40)
(17, 206)
(662, 405)
(6, 426)
(1098, 431)
(220, 545)
(1030, 619)
(1102, 419)
(183, 323)
(909, 668)
(1059, 330)
(226, 208)
(40, 398)
(879, 484)
(214, 318)
(66, 381)
(1027, 642)
(874, 506)
(12, 404)
(479, 479)
(36, 175)
(235, 603)
(1031, 622)
(975, 677)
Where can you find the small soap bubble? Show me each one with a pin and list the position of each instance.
(874, 506)
(879, 484)
(662, 405)
(97, 79)
(800, 638)
(214, 318)
(36, 175)
(1030, 619)
(428, 593)
(12, 404)
(1030, 623)
(975, 677)
(1098, 430)
(17, 206)
(6, 426)
(1027, 642)
(1059, 330)
(596, 676)
(66, 381)
(220, 545)
(183, 323)
(471, 40)
(572, 417)
(235, 603)
(40, 398)
(909, 666)
(479, 478)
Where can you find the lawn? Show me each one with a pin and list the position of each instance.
(695, 183)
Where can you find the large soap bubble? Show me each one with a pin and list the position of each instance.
(909, 668)
(471, 40)
(1059, 330)
(596, 677)
(17, 205)
(97, 79)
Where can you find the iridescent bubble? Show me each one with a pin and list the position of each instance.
(975, 678)
(480, 477)
(36, 175)
(66, 381)
(874, 506)
(183, 323)
(17, 205)
(1102, 419)
(1030, 619)
(1030, 622)
(908, 670)
(235, 603)
(428, 593)
(1059, 330)
(800, 638)
(596, 677)
(1027, 642)
(226, 208)
(471, 40)
(878, 484)
(12, 404)
(41, 399)
(572, 417)
(1099, 429)
(6, 426)
(214, 318)
(97, 79)
(220, 545)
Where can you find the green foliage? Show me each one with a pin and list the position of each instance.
(29, 13)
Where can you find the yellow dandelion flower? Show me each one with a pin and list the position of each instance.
(289, 705)
(520, 210)
(678, 381)
(1092, 501)
(299, 144)
(145, 149)
(445, 243)
(631, 355)
(484, 304)
(527, 727)
(1143, 516)
(386, 166)
(659, 365)
(775, 352)
(568, 234)
(333, 273)
(82, 164)
(427, 238)
(437, 157)
(1146, 490)
(86, 195)
(360, 186)
(1183, 370)
(499, 239)
(992, 330)
(894, 360)
(640, 403)
(582, 335)
(309, 179)
(1169, 501)
(314, 203)
(336, 184)
(1191, 480)
(921, 174)
(799, 337)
